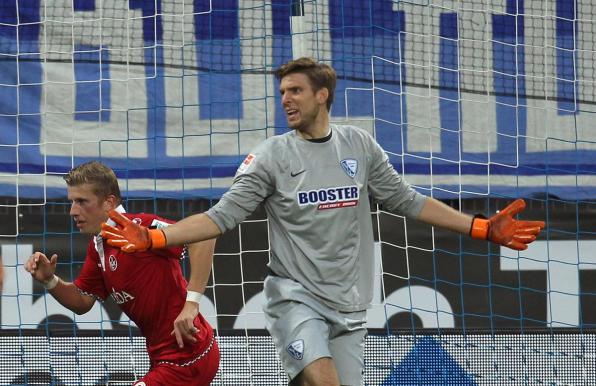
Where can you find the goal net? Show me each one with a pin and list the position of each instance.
(475, 102)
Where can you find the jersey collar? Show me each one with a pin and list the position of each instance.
(98, 241)
(119, 209)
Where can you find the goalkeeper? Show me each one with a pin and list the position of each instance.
(148, 286)
(315, 182)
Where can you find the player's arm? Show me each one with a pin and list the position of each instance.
(502, 228)
(390, 189)
(192, 229)
(247, 191)
(201, 259)
(252, 184)
(43, 270)
(438, 214)
(131, 237)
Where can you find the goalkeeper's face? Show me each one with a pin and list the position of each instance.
(303, 105)
(87, 209)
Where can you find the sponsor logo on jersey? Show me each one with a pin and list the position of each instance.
(121, 297)
(294, 174)
(350, 166)
(137, 220)
(246, 163)
(296, 349)
(330, 198)
(113, 262)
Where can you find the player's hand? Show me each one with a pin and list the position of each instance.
(130, 236)
(184, 328)
(40, 267)
(504, 229)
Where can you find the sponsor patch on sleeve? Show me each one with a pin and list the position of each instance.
(296, 349)
(246, 163)
(159, 224)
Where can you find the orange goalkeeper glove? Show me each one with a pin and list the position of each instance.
(504, 229)
(130, 236)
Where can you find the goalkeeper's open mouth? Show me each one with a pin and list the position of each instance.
(291, 113)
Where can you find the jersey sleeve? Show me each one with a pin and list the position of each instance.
(253, 183)
(90, 280)
(157, 222)
(387, 186)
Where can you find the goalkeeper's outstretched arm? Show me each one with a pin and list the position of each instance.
(502, 228)
(438, 214)
(131, 237)
(198, 227)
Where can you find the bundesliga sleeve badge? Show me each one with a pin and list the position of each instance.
(245, 164)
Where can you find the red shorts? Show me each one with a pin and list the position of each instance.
(198, 373)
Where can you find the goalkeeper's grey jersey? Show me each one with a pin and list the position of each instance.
(316, 198)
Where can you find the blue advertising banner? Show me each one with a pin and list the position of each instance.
(467, 101)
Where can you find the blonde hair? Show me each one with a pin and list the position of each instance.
(99, 176)
(320, 75)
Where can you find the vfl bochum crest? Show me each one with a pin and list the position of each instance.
(350, 166)
(296, 349)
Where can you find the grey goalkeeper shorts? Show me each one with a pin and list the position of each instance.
(305, 329)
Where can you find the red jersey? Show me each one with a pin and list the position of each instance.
(149, 287)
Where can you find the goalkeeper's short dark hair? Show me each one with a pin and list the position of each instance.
(320, 75)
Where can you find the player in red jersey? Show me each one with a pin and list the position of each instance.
(148, 286)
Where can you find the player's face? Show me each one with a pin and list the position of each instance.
(300, 102)
(87, 209)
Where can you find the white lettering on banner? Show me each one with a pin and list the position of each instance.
(421, 57)
(311, 31)
(562, 260)
(428, 304)
(126, 130)
(20, 310)
(563, 263)
(552, 127)
(192, 136)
